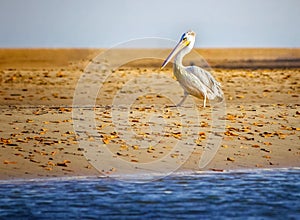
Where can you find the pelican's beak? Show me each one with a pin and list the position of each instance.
(182, 44)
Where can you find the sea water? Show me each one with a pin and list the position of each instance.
(255, 194)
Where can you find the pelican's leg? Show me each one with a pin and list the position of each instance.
(183, 99)
(204, 101)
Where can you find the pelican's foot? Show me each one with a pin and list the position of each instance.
(179, 104)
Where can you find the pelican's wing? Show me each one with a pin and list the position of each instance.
(205, 78)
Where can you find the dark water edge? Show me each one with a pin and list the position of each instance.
(258, 64)
(234, 58)
(255, 194)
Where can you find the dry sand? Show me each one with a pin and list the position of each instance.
(38, 139)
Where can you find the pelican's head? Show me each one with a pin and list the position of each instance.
(186, 42)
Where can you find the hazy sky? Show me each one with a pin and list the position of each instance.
(104, 23)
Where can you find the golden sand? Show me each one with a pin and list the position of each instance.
(38, 139)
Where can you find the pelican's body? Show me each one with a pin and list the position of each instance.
(194, 80)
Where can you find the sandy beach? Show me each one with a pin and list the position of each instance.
(37, 137)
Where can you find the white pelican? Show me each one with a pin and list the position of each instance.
(194, 80)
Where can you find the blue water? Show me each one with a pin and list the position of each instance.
(239, 195)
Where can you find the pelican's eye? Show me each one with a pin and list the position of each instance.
(183, 37)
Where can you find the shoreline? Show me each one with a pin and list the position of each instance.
(174, 174)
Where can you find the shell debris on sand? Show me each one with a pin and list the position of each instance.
(37, 137)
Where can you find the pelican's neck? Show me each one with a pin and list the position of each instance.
(179, 57)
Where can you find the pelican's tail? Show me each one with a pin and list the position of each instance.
(215, 93)
(218, 99)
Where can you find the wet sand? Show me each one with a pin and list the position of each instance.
(261, 89)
